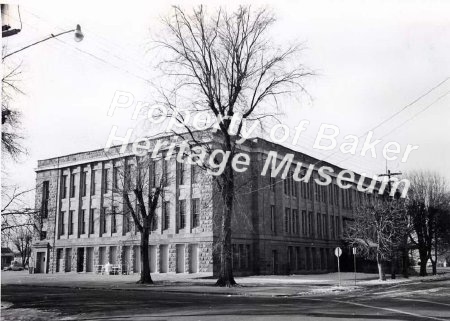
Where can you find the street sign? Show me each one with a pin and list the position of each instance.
(338, 252)
(354, 262)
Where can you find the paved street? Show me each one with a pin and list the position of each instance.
(414, 300)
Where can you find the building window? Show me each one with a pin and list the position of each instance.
(242, 257)
(165, 171)
(298, 255)
(272, 219)
(93, 185)
(324, 193)
(337, 227)
(83, 221)
(287, 185)
(114, 219)
(126, 222)
(304, 230)
(115, 177)
(152, 172)
(105, 179)
(287, 221)
(83, 183)
(235, 256)
(331, 227)
(295, 221)
(195, 174)
(181, 173)
(336, 194)
(271, 181)
(195, 212)
(249, 256)
(45, 198)
(294, 186)
(91, 221)
(62, 225)
(166, 215)
(64, 186)
(42, 235)
(103, 221)
(130, 177)
(182, 209)
(310, 224)
(290, 258)
(154, 222)
(72, 185)
(331, 194)
(319, 225)
(71, 222)
(310, 191)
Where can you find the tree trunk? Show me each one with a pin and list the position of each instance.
(394, 268)
(434, 265)
(434, 262)
(145, 262)
(226, 267)
(405, 262)
(423, 254)
(381, 273)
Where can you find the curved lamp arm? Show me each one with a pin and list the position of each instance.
(78, 37)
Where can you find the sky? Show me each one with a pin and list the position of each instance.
(371, 59)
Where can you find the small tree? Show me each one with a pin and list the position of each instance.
(428, 203)
(377, 230)
(22, 241)
(139, 191)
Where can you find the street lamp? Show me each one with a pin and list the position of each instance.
(78, 36)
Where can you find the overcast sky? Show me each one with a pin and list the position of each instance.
(371, 59)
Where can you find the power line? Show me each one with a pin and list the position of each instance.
(96, 57)
(409, 119)
(417, 114)
(130, 59)
(396, 113)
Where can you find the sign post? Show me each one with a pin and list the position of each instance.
(354, 262)
(338, 253)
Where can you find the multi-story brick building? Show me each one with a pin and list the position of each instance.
(279, 226)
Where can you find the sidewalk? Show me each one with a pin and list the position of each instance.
(269, 285)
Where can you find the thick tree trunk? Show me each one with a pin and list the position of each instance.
(226, 267)
(405, 262)
(434, 266)
(394, 268)
(381, 273)
(145, 260)
(423, 254)
(434, 262)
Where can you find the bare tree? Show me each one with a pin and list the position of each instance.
(139, 192)
(225, 66)
(427, 202)
(16, 212)
(442, 242)
(377, 230)
(11, 136)
(22, 241)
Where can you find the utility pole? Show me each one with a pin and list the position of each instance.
(389, 174)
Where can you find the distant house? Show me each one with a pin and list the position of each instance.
(7, 256)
